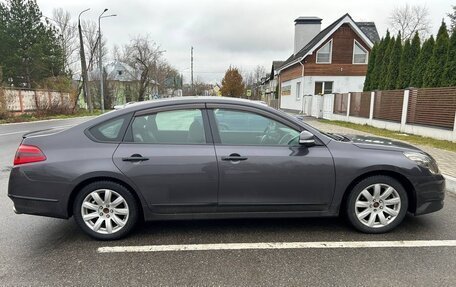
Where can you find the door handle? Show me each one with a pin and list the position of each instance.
(135, 158)
(234, 157)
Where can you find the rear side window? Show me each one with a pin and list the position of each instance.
(169, 127)
(109, 131)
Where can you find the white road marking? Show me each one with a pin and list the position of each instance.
(7, 134)
(279, 245)
(26, 131)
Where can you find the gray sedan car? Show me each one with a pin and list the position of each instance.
(213, 157)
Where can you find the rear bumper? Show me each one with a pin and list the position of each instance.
(429, 193)
(37, 206)
(38, 197)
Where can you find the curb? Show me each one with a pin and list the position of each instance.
(450, 184)
(41, 121)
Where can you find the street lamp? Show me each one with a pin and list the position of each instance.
(99, 56)
(85, 87)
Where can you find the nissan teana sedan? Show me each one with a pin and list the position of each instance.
(213, 157)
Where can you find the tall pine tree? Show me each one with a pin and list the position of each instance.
(437, 62)
(421, 63)
(404, 67)
(32, 45)
(449, 74)
(393, 65)
(370, 68)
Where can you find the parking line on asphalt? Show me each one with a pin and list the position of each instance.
(279, 245)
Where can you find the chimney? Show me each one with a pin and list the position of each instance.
(306, 28)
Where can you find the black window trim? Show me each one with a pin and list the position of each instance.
(128, 137)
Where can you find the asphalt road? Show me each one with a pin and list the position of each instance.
(45, 251)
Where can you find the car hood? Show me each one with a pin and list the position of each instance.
(372, 142)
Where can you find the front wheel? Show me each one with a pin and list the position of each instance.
(377, 204)
(105, 210)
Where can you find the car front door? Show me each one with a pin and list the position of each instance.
(170, 156)
(262, 167)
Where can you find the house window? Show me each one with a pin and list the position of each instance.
(298, 91)
(325, 53)
(323, 88)
(359, 54)
(286, 90)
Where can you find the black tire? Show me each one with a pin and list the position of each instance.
(365, 183)
(133, 210)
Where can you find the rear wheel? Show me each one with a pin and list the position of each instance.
(377, 204)
(105, 210)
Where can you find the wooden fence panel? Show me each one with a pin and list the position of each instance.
(388, 105)
(432, 106)
(340, 103)
(360, 104)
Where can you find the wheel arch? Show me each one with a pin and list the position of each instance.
(90, 180)
(408, 186)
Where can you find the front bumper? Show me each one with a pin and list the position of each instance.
(429, 194)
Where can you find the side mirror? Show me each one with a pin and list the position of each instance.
(306, 138)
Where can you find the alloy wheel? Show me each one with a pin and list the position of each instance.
(105, 211)
(377, 205)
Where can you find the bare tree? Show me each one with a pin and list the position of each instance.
(67, 36)
(410, 19)
(452, 17)
(90, 32)
(145, 56)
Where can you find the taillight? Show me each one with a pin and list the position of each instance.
(28, 154)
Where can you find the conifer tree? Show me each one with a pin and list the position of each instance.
(404, 67)
(449, 74)
(437, 62)
(383, 77)
(421, 63)
(394, 62)
(370, 67)
(375, 79)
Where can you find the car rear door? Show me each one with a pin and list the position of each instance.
(169, 155)
(262, 166)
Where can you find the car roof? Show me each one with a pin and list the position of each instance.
(190, 100)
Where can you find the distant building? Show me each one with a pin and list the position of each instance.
(121, 84)
(270, 82)
(325, 61)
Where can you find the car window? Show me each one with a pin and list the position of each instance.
(109, 131)
(247, 128)
(171, 127)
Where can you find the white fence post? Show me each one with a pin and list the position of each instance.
(371, 108)
(454, 128)
(348, 106)
(404, 109)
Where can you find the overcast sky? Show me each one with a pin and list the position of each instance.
(242, 33)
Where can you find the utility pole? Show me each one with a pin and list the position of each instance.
(100, 62)
(192, 67)
(85, 80)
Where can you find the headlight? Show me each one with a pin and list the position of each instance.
(423, 160)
